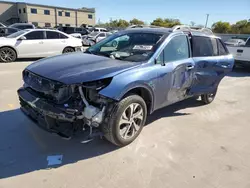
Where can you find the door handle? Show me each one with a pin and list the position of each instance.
(63, 41)
(41, 42)
(189, 67)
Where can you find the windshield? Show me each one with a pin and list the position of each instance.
(93, 34)
(17, 34)
(128, 47)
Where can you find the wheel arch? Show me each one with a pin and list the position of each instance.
(68, 47)
(13, 48)
(145, 94)
(143, 90)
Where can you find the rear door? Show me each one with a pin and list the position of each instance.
(212, 62)
(32, 46)
(55, 43)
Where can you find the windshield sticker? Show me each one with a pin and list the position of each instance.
(142, 47)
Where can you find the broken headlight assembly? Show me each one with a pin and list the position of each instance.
(94, 104)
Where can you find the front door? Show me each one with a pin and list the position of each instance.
(32, 46)
(175, 71)
(212, 62)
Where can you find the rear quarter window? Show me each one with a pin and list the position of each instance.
(222, 48)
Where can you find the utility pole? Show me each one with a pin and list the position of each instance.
(206, 20)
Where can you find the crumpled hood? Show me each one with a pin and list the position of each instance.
(78, 67)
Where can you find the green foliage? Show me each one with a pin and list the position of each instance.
(241, 27)
(166, 22)
(221, 27)
(136, 22)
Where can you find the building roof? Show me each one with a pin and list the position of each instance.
(83, 9)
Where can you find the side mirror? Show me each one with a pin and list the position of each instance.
(22, 38)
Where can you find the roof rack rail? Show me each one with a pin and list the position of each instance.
(194, 29)
(143, 26)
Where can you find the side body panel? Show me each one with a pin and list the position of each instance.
(209, 71)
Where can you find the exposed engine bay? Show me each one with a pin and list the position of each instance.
(64, 109)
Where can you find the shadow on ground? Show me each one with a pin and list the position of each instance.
(239, 72)
(27, 59)
(24, 147)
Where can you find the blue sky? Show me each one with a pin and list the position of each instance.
(147, 10)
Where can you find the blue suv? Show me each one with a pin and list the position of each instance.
(112, 87)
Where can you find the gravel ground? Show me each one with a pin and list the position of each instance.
(183, 145)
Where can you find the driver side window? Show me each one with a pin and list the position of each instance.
(176, 49)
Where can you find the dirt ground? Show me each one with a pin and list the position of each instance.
(183, 145)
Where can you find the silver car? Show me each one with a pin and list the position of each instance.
(34, 43)
(94, 37)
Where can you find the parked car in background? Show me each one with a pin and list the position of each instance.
(241, 54)
(76, 35)
(235, 42)
(5, 31)
(99, 29)
(22, 26)
(74, 30)
(113, 89)
(95, 37)
(33, 43)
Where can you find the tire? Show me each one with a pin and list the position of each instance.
(208, 98)
(122, 134)
(68, 50)
(7, 55)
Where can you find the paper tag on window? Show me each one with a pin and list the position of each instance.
(142, 47)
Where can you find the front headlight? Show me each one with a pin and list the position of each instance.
(98, 85)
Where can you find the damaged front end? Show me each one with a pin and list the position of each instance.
(63, 109)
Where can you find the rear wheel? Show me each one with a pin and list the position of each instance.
(208, 98)
(126, 121)
(68, 50)
(7, 55)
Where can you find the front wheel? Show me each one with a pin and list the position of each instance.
(7, 55)
(126, 121)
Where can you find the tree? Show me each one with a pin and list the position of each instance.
(241, 27)
(136, 22)
(166, 22)
(221, 27)
(119, 23)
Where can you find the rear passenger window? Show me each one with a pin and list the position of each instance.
(52, 35)
(204, 46)
(222, 49)
(62, 36)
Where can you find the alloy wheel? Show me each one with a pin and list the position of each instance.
(131, 121)
(7, 55)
